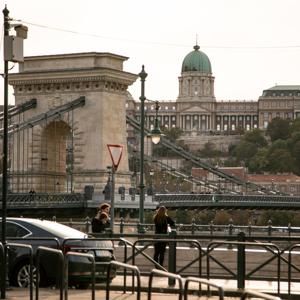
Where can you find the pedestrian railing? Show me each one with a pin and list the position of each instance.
(241, 274)
(31, 266)
(60, 278)
(208, 283)
(257, 295)
(66, 270)
(169, 275)
(134, 269)
(291, 265)
(172, 253)
(181, 290)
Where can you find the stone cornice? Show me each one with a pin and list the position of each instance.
(96, 74)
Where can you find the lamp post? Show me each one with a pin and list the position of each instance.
(155, 136)
(13, 51)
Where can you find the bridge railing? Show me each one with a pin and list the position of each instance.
(230, 229)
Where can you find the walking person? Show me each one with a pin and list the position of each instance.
(101, 221)
(161, 222)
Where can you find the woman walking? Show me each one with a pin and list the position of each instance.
(161, 221)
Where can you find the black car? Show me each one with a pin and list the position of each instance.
(36, 232)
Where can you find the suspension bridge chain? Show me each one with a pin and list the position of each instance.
(49, 115)
(18, 109)
(196, 161)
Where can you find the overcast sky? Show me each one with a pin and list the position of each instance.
(252, 44)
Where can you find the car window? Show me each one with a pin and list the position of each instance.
(14, 230)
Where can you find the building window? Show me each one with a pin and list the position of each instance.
(166, 107)
(266, 124)
(152, 107)
(174, 108)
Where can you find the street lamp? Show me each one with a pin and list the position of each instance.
(155, 136)
(13, 51)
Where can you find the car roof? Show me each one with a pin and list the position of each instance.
(54, 228)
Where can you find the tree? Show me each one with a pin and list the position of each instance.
(209, 150)
(245, 150)
(173, 134)
(259, 162)
(256, 136)
(280, 160)
(278, 129)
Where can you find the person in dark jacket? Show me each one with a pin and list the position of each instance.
(161, 222)
(101, 221)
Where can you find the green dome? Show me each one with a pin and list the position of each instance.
(196, 61)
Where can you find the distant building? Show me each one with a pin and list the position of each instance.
(285, 183)
(196, 110)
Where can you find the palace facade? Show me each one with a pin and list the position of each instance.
(196, 110)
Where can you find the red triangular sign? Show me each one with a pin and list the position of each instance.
(115, 152)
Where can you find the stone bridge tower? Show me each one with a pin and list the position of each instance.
(40, 157)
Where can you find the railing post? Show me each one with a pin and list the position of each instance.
(241, 262)
(269, 227)
(71, 222)
(230, 231)
(193, 226)
(289, 229)
(87, 224)
(172, 257)
(249, 229)
(211, 227)
(121, 225)
(230, 227)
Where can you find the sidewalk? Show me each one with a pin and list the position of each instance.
(160, 288)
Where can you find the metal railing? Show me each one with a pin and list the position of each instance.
(168, 275)
(60, 278)
(192, 228)
(66, 270)
(181, 290)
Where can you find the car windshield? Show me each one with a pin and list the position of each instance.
(58, 229)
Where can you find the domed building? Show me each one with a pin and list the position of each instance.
(201, 117)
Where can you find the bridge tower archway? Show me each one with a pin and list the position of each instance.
(56, 161)
(40, 160)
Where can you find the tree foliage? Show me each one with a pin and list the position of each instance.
(279, 129)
